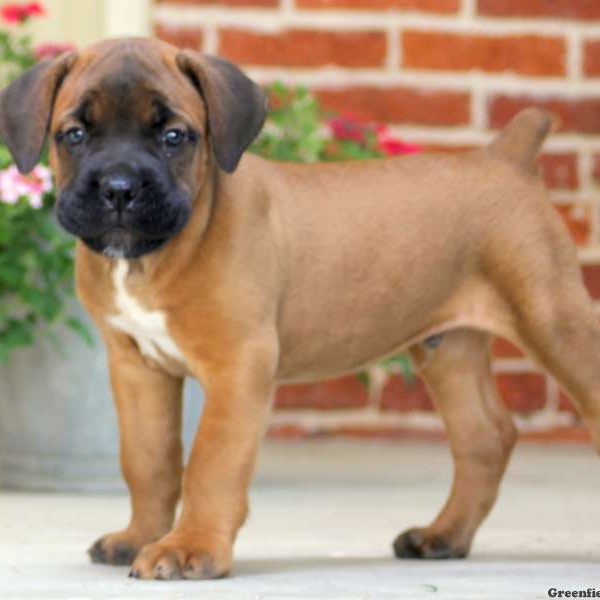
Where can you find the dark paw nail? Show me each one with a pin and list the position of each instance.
(408, 544)
(413, 544)
(97, 553)
(134, 574)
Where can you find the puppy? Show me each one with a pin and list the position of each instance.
(194, 260)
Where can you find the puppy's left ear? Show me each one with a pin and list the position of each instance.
(26, 108)
(237, 107)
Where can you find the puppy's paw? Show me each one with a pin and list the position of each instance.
(182, 555)
(418, 543)
(118, 548)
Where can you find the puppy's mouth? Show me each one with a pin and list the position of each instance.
(120, 242)
(127, 233)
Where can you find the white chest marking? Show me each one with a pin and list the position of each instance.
(147, 327)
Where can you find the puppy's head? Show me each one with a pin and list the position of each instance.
(135, 128)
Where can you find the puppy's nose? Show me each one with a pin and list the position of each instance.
(120, 190)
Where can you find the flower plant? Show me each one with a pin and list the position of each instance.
(36, 259)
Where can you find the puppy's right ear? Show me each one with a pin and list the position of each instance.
(26, 108)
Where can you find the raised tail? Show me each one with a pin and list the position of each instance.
(521, 139)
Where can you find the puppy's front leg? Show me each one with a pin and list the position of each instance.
(238, 386)
(148, 403)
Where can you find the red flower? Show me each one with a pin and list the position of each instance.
(52, 49)
(19, 13)
(392, 146)
(33, 9)
(350, 127)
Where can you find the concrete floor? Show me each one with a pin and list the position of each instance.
(323, 516)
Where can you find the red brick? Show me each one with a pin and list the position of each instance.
(526, 54)
(591, 278)
(234, 3)
(399, 395)
(591, 58)
(565, 9)
(596, 168)
(304, 48)
(502, 348)
(560, 171)
(522, 392)
(181, 37)
(578, 219)
(399, 104)
(579, 114)
(566, 404)
(434, 6)
(343, 392)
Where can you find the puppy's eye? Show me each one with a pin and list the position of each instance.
(173, 138)
(74, 136)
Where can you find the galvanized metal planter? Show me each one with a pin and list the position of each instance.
(58, 427)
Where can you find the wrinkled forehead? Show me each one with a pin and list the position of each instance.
(127, 81)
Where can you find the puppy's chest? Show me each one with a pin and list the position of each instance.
(147, 327)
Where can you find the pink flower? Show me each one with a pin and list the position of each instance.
(52, 49)
(19, 13)
(392, 146)
(348, 127)
(14, 186)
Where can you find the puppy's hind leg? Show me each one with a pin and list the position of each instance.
(481, 433)
(561, 329)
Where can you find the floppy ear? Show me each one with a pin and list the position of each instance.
(26, 107)
(236, 106)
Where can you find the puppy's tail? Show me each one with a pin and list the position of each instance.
(520, 141)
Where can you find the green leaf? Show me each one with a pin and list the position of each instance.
(364, 378)
(81, 329)
(406, 369)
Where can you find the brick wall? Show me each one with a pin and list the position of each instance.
(443, 73)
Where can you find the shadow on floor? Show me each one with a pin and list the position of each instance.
(250, 567)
